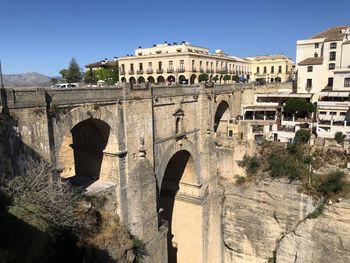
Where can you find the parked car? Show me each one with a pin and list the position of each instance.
(66, 85)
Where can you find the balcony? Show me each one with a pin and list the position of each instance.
(170, 70)
(194, 69)
(140, 71)
(201, 70)
(181, 70)
(149, 71)
(159, 71)
(122, 72)
(131, 72)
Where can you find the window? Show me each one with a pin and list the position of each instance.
(316, 45)
(323, 112)
(272, 69)
(331, 66)
(279, 69)
(160, 65)
(149, 65)
(131, 67)
(257, 70)
(286, 68)
(333, 45)
(347, 82)
(330, 82)
(170, 65)
(182, 64)
(316, 55)
(342, 113)
(332, 55)
(123, 68)
(333, 113)
(309, 83)
(264, 69)
(309, 68)
(141, 66)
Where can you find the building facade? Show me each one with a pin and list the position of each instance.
(323, 61)
(272, 68)
(181, 63)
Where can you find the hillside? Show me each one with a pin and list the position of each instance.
(25, 79)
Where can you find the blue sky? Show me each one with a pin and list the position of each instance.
(43, 35)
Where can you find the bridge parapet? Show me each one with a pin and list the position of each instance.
(164, 91)
(23, 98)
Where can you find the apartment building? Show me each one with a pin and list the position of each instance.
(271, 68)
(323, 69)
(323, 61)
(181, 63)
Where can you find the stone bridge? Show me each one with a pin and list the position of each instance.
(155, 146)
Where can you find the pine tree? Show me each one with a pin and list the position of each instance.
(73, 73)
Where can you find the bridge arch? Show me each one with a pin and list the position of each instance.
(84, 144)
(222, 115)
(184, 217)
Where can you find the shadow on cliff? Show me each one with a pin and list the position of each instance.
(23, 242)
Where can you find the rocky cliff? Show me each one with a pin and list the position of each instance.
(267, 221)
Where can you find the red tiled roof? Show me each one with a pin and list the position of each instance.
(332, 34)
(311, 61)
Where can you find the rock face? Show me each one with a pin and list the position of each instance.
(324, 239)
(267, 220)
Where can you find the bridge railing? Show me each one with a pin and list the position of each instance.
(83, 95)
(160, 91)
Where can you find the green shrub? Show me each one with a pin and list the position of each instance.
(339, 137)
(240, 180)
(277, 79)
(251, 164)
(215, 78)
(299, 106)
(139, 248)
(227, 77)
(332, 183)
(302, 136)
(235, 78)
(203, 77)
(317, 212)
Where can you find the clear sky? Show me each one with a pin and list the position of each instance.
(43, 35)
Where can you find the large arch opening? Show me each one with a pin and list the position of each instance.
(150, 79)
(141, 80)
(222, 116)
(160, 80)
(193, 78)
(177, 207)
(132, 80)
(82, 152)
(171, 79)
(182, 79)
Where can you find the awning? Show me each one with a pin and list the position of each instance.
(334, 94)
(283, 95)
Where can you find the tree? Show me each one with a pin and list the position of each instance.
(299, 106)
(63, 73)
(227, 77)
(339, 137)
(203, 77)
(53, 81)
(89, 76)
(235, 78)
(215, 78)
(73, 73)
(302, 136)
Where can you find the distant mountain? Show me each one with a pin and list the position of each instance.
(26, 79)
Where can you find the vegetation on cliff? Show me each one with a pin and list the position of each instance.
(45, 219)
(296, 161)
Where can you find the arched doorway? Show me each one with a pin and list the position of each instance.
(150, 79)
(193, 78)
(182, 79)
(81, 153)
(123, 79)
(160, 79)
(184, 217)
(222, 115)
(141, 80)
(171, 79)
(132, 80)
